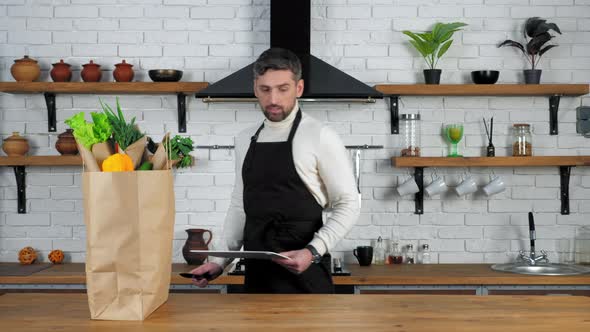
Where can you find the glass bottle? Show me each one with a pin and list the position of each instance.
(424, 257)
(410, 134)
(388, 252)
(522, 140)
(410, 254)
(395, 256)
(379, 252)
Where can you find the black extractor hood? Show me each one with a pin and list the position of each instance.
(290, 23)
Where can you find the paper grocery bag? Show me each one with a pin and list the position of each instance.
(129, 219)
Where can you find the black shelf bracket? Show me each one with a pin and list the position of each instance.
(181, 112)
(419, 196)
(394, 110)
(50, 101)
(553, 108)
(564, 177)
(19, 172)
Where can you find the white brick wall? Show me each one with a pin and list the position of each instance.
(210, 39)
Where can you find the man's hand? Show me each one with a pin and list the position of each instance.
(214, 270)
(299, 262)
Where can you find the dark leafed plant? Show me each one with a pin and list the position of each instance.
(536, 35)
(432, 45)
(180, 149)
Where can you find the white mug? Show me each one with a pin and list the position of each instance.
(436, 187)
(468, 186)
(408, 187)
(497, 185)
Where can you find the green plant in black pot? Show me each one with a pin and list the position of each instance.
(536, 35)
(432, 45)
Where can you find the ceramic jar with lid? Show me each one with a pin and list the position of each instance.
(25, 69)
(66, 143)
(91, 72)
(61, 72)
(123, 72)
(15, 145)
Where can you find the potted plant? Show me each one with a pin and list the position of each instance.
(536, 35)
(432, 45)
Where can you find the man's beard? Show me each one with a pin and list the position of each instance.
(277, 117)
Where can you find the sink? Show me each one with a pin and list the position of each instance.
(550, 269)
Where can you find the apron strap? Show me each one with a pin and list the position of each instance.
(294, 127)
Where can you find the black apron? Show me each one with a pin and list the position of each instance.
(281, 215)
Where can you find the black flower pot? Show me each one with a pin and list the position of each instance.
(432, 76)
(532, 76)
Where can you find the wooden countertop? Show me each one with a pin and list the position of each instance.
(234, 312)
(431, 274)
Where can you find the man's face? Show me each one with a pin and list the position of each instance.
(277, 91)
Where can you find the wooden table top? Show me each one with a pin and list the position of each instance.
(430, 274)
(233, 312)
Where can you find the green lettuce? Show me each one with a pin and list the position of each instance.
(88, 133)
(102, 127)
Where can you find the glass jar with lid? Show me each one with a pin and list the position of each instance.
(522, 143)
(410, 135)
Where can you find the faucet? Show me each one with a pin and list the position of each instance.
(533, 259)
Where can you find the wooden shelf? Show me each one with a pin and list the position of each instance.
(41, 161)
(483, 89)
(103, 87)
(491, 161)
(49, 89)
(565, 163)
(553, 91)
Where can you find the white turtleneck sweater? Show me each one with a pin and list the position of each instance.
(324, 167)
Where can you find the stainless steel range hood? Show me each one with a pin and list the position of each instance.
(290, 28)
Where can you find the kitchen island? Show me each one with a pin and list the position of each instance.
(235, 312)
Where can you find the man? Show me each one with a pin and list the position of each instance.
(287, 170)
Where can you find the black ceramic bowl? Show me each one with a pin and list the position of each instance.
(165, 75)
(485, 76)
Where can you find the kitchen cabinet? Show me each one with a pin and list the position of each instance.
(553, 91)
(50, 89)
(565, 163)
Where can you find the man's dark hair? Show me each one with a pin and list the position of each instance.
(277, 58)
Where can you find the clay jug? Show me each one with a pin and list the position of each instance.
(195, 241)
(91, 72)
(15, 145)
(25, 70)
(123, 72)
(66, 143)
(61, 72)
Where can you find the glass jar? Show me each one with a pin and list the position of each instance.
(410, 134)
(522, 143)
(395, 256)
(410, 255)
(424, 256)
(379, 252)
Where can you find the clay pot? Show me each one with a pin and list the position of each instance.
(61, 72)
(195, 241)
(91, 72)
(123, 72)
(15, 145)
(66, 143)
(25, 70)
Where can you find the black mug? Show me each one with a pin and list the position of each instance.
(364, 254)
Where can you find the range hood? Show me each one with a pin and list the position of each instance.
(290, 23)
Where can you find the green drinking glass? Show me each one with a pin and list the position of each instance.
(454, 134)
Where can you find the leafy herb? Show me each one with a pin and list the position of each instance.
(88, 133)
(124, 133)
(180, 148)
(432, 45)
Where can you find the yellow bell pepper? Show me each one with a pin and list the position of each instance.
(117, 163)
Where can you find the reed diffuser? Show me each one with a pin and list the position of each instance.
(490, 150)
